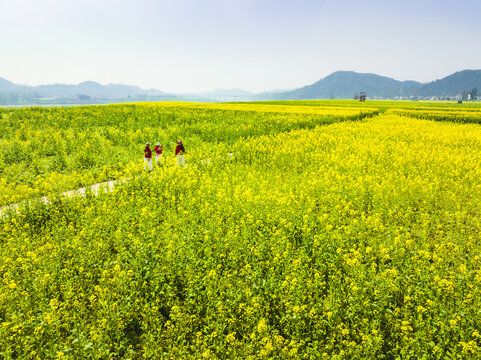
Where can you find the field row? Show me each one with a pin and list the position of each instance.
(453, 115)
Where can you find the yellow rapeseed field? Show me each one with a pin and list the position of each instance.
(347, 232)
(47, 150)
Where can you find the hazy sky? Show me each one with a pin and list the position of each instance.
(256, 45)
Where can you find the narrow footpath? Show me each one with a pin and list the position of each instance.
(94, 189)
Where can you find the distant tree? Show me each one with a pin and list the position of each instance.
(464, 95)
(362, 96)
(474, 93)
(356, 96)
(83, 97)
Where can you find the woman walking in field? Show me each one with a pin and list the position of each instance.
(179, 153)
(158, 153)
(147, 157)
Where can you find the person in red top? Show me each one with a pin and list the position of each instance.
(158, 153)
(179, 153)
(147, 157)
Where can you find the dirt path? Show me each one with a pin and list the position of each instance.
(106, 186)
(94, 189)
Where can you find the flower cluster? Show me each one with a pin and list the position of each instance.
(48, 150)
(353, 240)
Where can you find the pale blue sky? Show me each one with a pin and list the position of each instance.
(256, 45)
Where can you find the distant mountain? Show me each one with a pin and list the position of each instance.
(345, 84)
(338, 85)
(453, 84)
(6, 85)
(93, 89)
(86, 89)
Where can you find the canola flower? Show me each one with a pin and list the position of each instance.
(446, 114)
(353, 240)
(50, 150)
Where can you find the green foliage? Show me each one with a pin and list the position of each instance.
(356, 240)
(39, 144)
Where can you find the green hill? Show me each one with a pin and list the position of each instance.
(345, 84)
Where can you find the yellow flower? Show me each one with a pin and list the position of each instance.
(262, 326)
